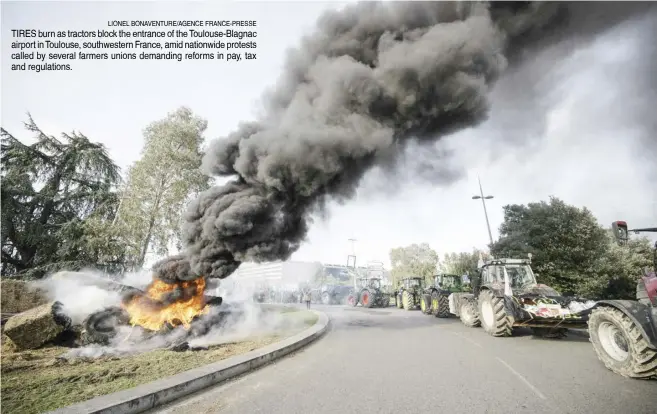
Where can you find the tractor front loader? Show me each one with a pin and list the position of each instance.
(624, 332)
(410, 292)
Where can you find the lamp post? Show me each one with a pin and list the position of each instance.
(483, 203)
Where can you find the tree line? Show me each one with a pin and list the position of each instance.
(66, 205)
(571, 251)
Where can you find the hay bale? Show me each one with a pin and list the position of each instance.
(19, 296)
(35, 327)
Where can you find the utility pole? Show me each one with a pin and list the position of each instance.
(483, 203)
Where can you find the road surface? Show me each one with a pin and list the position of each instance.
(396, 361)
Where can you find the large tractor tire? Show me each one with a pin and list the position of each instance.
(442, 308)
(619, 344)
(425, 304)
(493, 318)
(352, 299)
(385, 301)
(407, 300)
(398, 301)
(468, 313)
(367, 299)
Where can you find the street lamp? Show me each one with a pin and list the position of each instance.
(483, 202)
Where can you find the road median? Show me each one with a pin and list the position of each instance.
(162, 391)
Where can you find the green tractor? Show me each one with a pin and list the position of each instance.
(435, 299)
(369, 294)
(409, 293)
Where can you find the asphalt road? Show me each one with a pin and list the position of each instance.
(394, 361)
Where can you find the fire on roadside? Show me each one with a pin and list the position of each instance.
(153, 311)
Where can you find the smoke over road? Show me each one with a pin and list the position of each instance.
(371, 80)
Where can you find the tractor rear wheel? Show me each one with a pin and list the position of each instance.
(493, 317)
(620, 345)
(398, 301)
(366, 298)
(425, 304)
(468, 313)
(443, 307)
(407, 300)
(352, 299)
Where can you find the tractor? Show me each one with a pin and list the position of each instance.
(435, 299)
(334, 294)
(368, 293)
(409, 293)
(624, 332)
(506, 295)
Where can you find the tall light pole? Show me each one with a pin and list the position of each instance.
(483, 203)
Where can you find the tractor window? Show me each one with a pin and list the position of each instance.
(412, 282)
(489, 274)
(450, 282)
(375, 284)
(520, 275)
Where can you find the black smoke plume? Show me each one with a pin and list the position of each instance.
(372, 78)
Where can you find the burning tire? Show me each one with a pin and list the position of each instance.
(407, 300)
(442, 308)
(100, 327)
(366, 299)
(352, 299)
(619, 344)
(493, 318)
(468, 314)
(425, 304)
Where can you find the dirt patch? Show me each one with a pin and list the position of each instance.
(39, 380)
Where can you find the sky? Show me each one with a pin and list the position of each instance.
(570, 123)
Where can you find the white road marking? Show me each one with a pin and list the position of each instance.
(468, 339)
(523, 379)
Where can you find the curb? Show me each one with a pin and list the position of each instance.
(153, 394)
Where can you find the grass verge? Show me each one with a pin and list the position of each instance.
(37, 381)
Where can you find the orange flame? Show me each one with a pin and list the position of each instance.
(150, 313)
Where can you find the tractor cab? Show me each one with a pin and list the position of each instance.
(518, 271)
(412, 283)
(369, 283)
(451, 283)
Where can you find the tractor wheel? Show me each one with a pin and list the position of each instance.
(326, 298)
(352, 299)
(443, 307)
(425, 304)
(619, 344)
(366, 298)
(407, 300)
(385, 301)
(493, 318)
(398, 301)
(468, 314)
